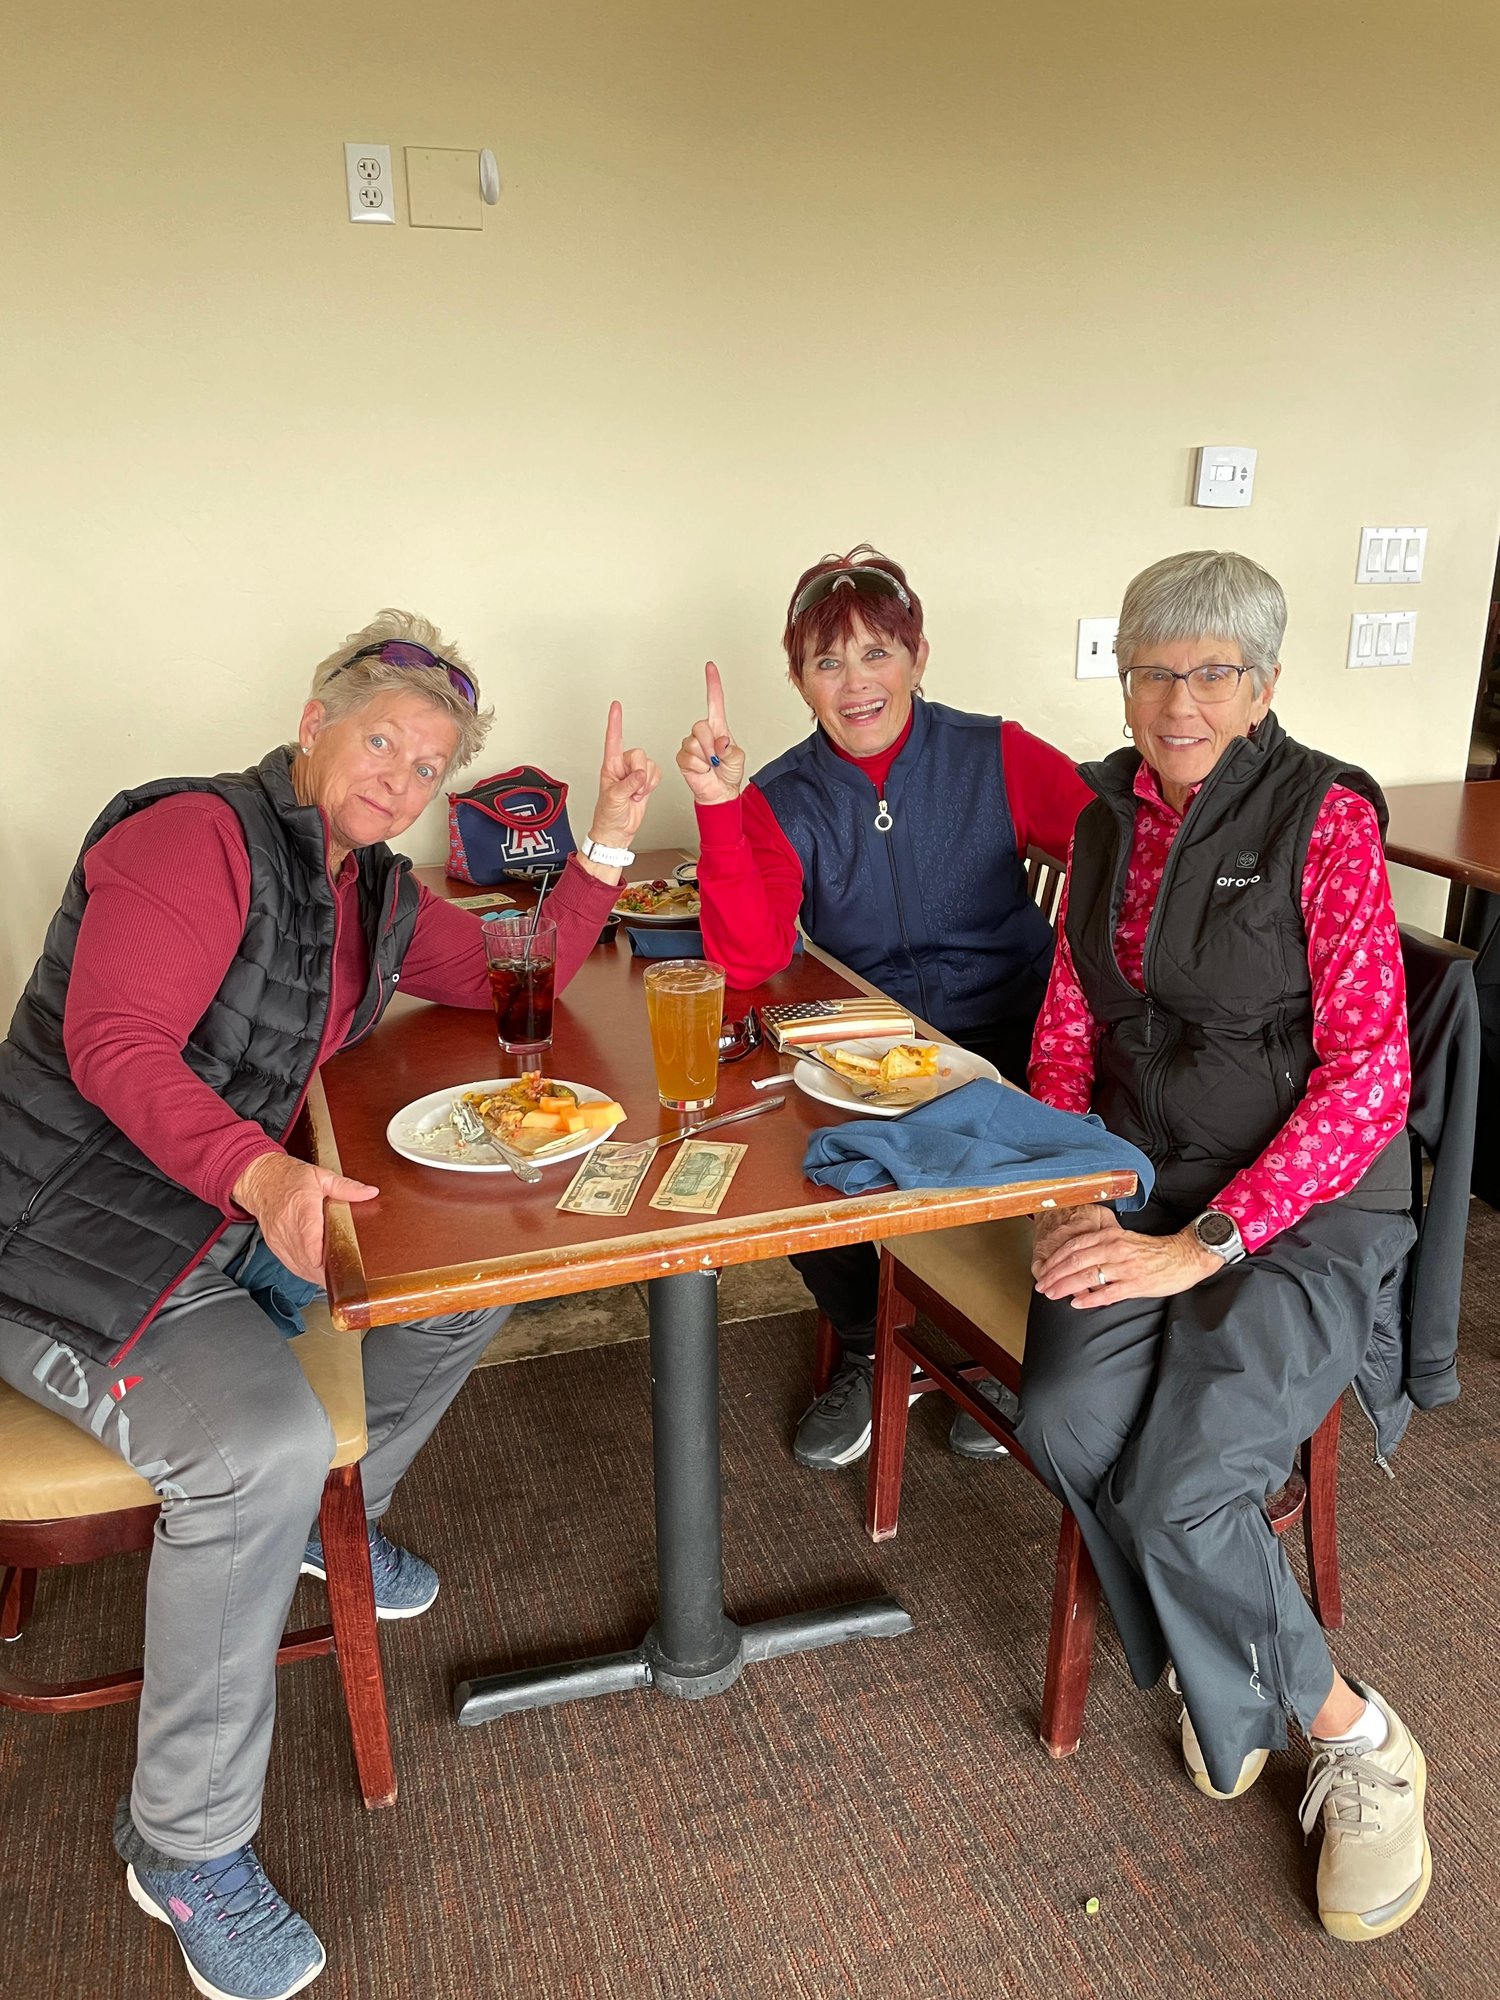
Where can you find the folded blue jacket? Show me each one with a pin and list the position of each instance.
(982, 1135)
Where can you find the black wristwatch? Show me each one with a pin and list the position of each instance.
(1220, 1234)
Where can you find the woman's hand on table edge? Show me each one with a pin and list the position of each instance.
(627, 778)
(711, 762)
(286, 1198)
(1069, 1255)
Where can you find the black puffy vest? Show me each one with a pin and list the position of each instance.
(934, 910)
(1203, 1068)
(92, 1235)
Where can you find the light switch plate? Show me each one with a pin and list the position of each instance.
(1096, 649)
(442, 188)
(1226, 475)
(1382, 638)
(367, 176)
(1391, 555)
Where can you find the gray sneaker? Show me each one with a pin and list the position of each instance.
(836, 1428)
(240, 1939)
(405, 1586)
(970, 1439)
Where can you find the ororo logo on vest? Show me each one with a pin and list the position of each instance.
(1245, 859)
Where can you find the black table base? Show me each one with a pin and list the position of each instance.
(693, 1650)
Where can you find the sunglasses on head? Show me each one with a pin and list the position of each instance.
(407, 653)
(863, 581)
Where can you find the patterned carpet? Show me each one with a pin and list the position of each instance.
(876, 1820)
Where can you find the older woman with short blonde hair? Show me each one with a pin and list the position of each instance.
(1228, 994)
(220, 938)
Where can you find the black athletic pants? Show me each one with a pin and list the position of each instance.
(1164, 1425)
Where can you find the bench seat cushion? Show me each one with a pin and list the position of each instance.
(52, 1471)
(983, 1270)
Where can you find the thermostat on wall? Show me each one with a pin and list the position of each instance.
(1226, 475)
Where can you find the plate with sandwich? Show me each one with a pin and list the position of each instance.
(885, 1075)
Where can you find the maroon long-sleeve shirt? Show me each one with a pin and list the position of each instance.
(169, 894)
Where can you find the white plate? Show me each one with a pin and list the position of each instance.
(955, 1066)
(423, 1132)
(656, 916)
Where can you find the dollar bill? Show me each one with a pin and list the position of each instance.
(492, 899)
(699, 1177)
(608, 1181)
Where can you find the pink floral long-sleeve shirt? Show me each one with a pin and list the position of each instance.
(1356, 1098)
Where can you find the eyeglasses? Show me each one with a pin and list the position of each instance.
(1205, 684)
(864, 581)
(406, 653)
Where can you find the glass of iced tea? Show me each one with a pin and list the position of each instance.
(685, 1007)
(523, 964)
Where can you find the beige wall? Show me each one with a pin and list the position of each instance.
(967, 280)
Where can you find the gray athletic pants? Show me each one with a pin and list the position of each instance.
(1164, 1425)
(222, 1423)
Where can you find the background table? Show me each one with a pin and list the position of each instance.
(1451, 830)
(437, 1242)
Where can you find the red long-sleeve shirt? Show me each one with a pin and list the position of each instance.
(169, 894)
(750, 879)
(1356, 1098)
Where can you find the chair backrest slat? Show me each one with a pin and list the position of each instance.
(1044, 880)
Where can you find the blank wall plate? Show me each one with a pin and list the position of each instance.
(1096, 649)
(367, 175)
(1391, 555)
(1382, 638)
(442, 189)
(1226, 475)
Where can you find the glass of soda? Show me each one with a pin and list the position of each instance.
(523, 964)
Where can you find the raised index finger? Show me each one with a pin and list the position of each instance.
(716, 720)
(614, 737)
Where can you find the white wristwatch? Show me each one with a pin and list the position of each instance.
(607, 857)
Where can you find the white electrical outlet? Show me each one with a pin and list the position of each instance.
(1096, 648)
(1382, 638)
(367, 175)
(1226, 475)
(1391, 555)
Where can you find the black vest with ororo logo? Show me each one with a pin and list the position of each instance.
(92, 1234)
(1203, 1068)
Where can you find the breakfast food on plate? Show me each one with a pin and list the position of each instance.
(658, 899)
(534, 1110)
(906, 1063)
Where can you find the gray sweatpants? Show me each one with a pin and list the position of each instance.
(218, 1417)
(1164, 1425)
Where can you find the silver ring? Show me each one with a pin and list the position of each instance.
(1100, 1275)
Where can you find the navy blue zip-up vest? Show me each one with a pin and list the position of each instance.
(1204, 1067)
(935, 912)
(92, 1234)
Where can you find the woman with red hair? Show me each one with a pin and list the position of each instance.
(896, 835)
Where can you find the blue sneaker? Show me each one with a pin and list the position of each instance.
(240, 1938)
(405, 1586)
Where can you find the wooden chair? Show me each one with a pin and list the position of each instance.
(65, 1498)
(974, 1285)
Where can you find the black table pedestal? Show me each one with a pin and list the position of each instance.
(693, 1650)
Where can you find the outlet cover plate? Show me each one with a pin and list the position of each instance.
(442, 188)
(367, 177)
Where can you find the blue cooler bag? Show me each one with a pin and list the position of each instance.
(515, 823)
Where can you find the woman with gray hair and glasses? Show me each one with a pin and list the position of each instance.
(218, 940)
(1228, 994)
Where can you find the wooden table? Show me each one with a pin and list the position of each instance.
(439, 1242)
(1452, 830)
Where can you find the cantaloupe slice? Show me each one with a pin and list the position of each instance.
(543, 1121)
(591, 1117)
(608, 1113)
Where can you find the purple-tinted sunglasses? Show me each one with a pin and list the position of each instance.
(406, 653)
